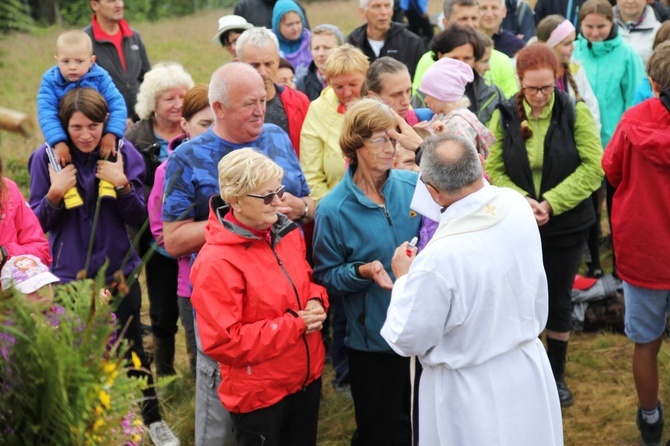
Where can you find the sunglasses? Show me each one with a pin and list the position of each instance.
(269, 198)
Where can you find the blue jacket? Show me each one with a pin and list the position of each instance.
(53, 88)
(614, 71)
(70, 229)
(351, 230)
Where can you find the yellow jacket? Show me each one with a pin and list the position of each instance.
(321, 158)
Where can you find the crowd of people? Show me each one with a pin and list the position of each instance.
(272, 209)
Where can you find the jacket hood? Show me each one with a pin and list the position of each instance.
(602, 49)
(94, 72)
(223, 232)
(650, 139)
(648, 22)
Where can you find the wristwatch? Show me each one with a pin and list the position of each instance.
(306, 209)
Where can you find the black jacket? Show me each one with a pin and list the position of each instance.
(400, 44)
(544, 8)
(310, 83)
(137, 64)
(259, 12)
(561, 158)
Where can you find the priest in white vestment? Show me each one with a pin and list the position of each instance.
(471, 306)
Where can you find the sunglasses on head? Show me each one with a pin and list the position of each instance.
(269, 198)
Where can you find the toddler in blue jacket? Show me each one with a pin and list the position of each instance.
(76, 67)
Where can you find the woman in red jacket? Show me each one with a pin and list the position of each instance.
(20, 231)
(257, 311)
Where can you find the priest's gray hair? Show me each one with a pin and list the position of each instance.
(452, 169)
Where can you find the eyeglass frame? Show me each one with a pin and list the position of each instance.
(381, 141)
(270, 197)
(537, 90)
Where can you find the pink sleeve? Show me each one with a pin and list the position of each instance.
(29, 237)
(155, 204)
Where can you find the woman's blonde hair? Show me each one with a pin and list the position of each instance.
(162, 77)
(361, 120)
(346, 59)
(245, 170)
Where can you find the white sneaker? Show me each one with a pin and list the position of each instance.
(162, 435)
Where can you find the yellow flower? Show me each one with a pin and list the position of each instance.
(105, 399)
(99, 410)
(98, 424)
(109, 368)
(138, 422)
(136, 360)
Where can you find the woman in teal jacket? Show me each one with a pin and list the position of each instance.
(612, 67)
(614, 70)
(358, 226)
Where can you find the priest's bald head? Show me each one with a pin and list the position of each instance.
(451, 168)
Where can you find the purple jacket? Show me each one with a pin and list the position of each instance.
(155, 208)
(302, 57)
(70, 229)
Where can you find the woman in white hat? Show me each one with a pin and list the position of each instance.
(231, 28)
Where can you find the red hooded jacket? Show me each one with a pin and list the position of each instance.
(246, 294)
(637, 163)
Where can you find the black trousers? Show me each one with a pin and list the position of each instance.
(161, 276)
(380, 386)
(290, 422)
(561, 257)
(128, 313)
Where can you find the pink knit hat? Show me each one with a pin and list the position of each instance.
(445, 80)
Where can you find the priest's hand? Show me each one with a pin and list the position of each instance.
(375, 271)
(402, 259)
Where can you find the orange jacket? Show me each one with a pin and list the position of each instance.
(246, 295)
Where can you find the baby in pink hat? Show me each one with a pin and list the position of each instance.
(444, 86)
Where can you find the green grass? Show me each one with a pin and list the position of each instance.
(598, 371)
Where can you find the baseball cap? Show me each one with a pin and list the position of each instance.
(26, 273)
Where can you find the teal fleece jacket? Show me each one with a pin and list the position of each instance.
(351, 230)
(614, 71)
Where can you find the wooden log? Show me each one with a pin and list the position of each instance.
(17, 122)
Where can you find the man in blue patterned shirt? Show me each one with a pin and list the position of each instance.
(237, 96)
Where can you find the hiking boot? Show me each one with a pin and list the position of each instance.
(564, 394)
(651, 434)
(161, 434)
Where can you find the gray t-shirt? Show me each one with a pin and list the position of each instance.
(275, 113)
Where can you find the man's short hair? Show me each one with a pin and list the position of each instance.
(364, 4)
(219, 84)
(448, 6)
(658, 66)
(453, 173)
(259, 37)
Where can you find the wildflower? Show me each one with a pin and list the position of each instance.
(136, 360)
(105, 399)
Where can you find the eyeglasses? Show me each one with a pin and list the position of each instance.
(533, 91)
(269, 198)
(426, 182)
(381, 142)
